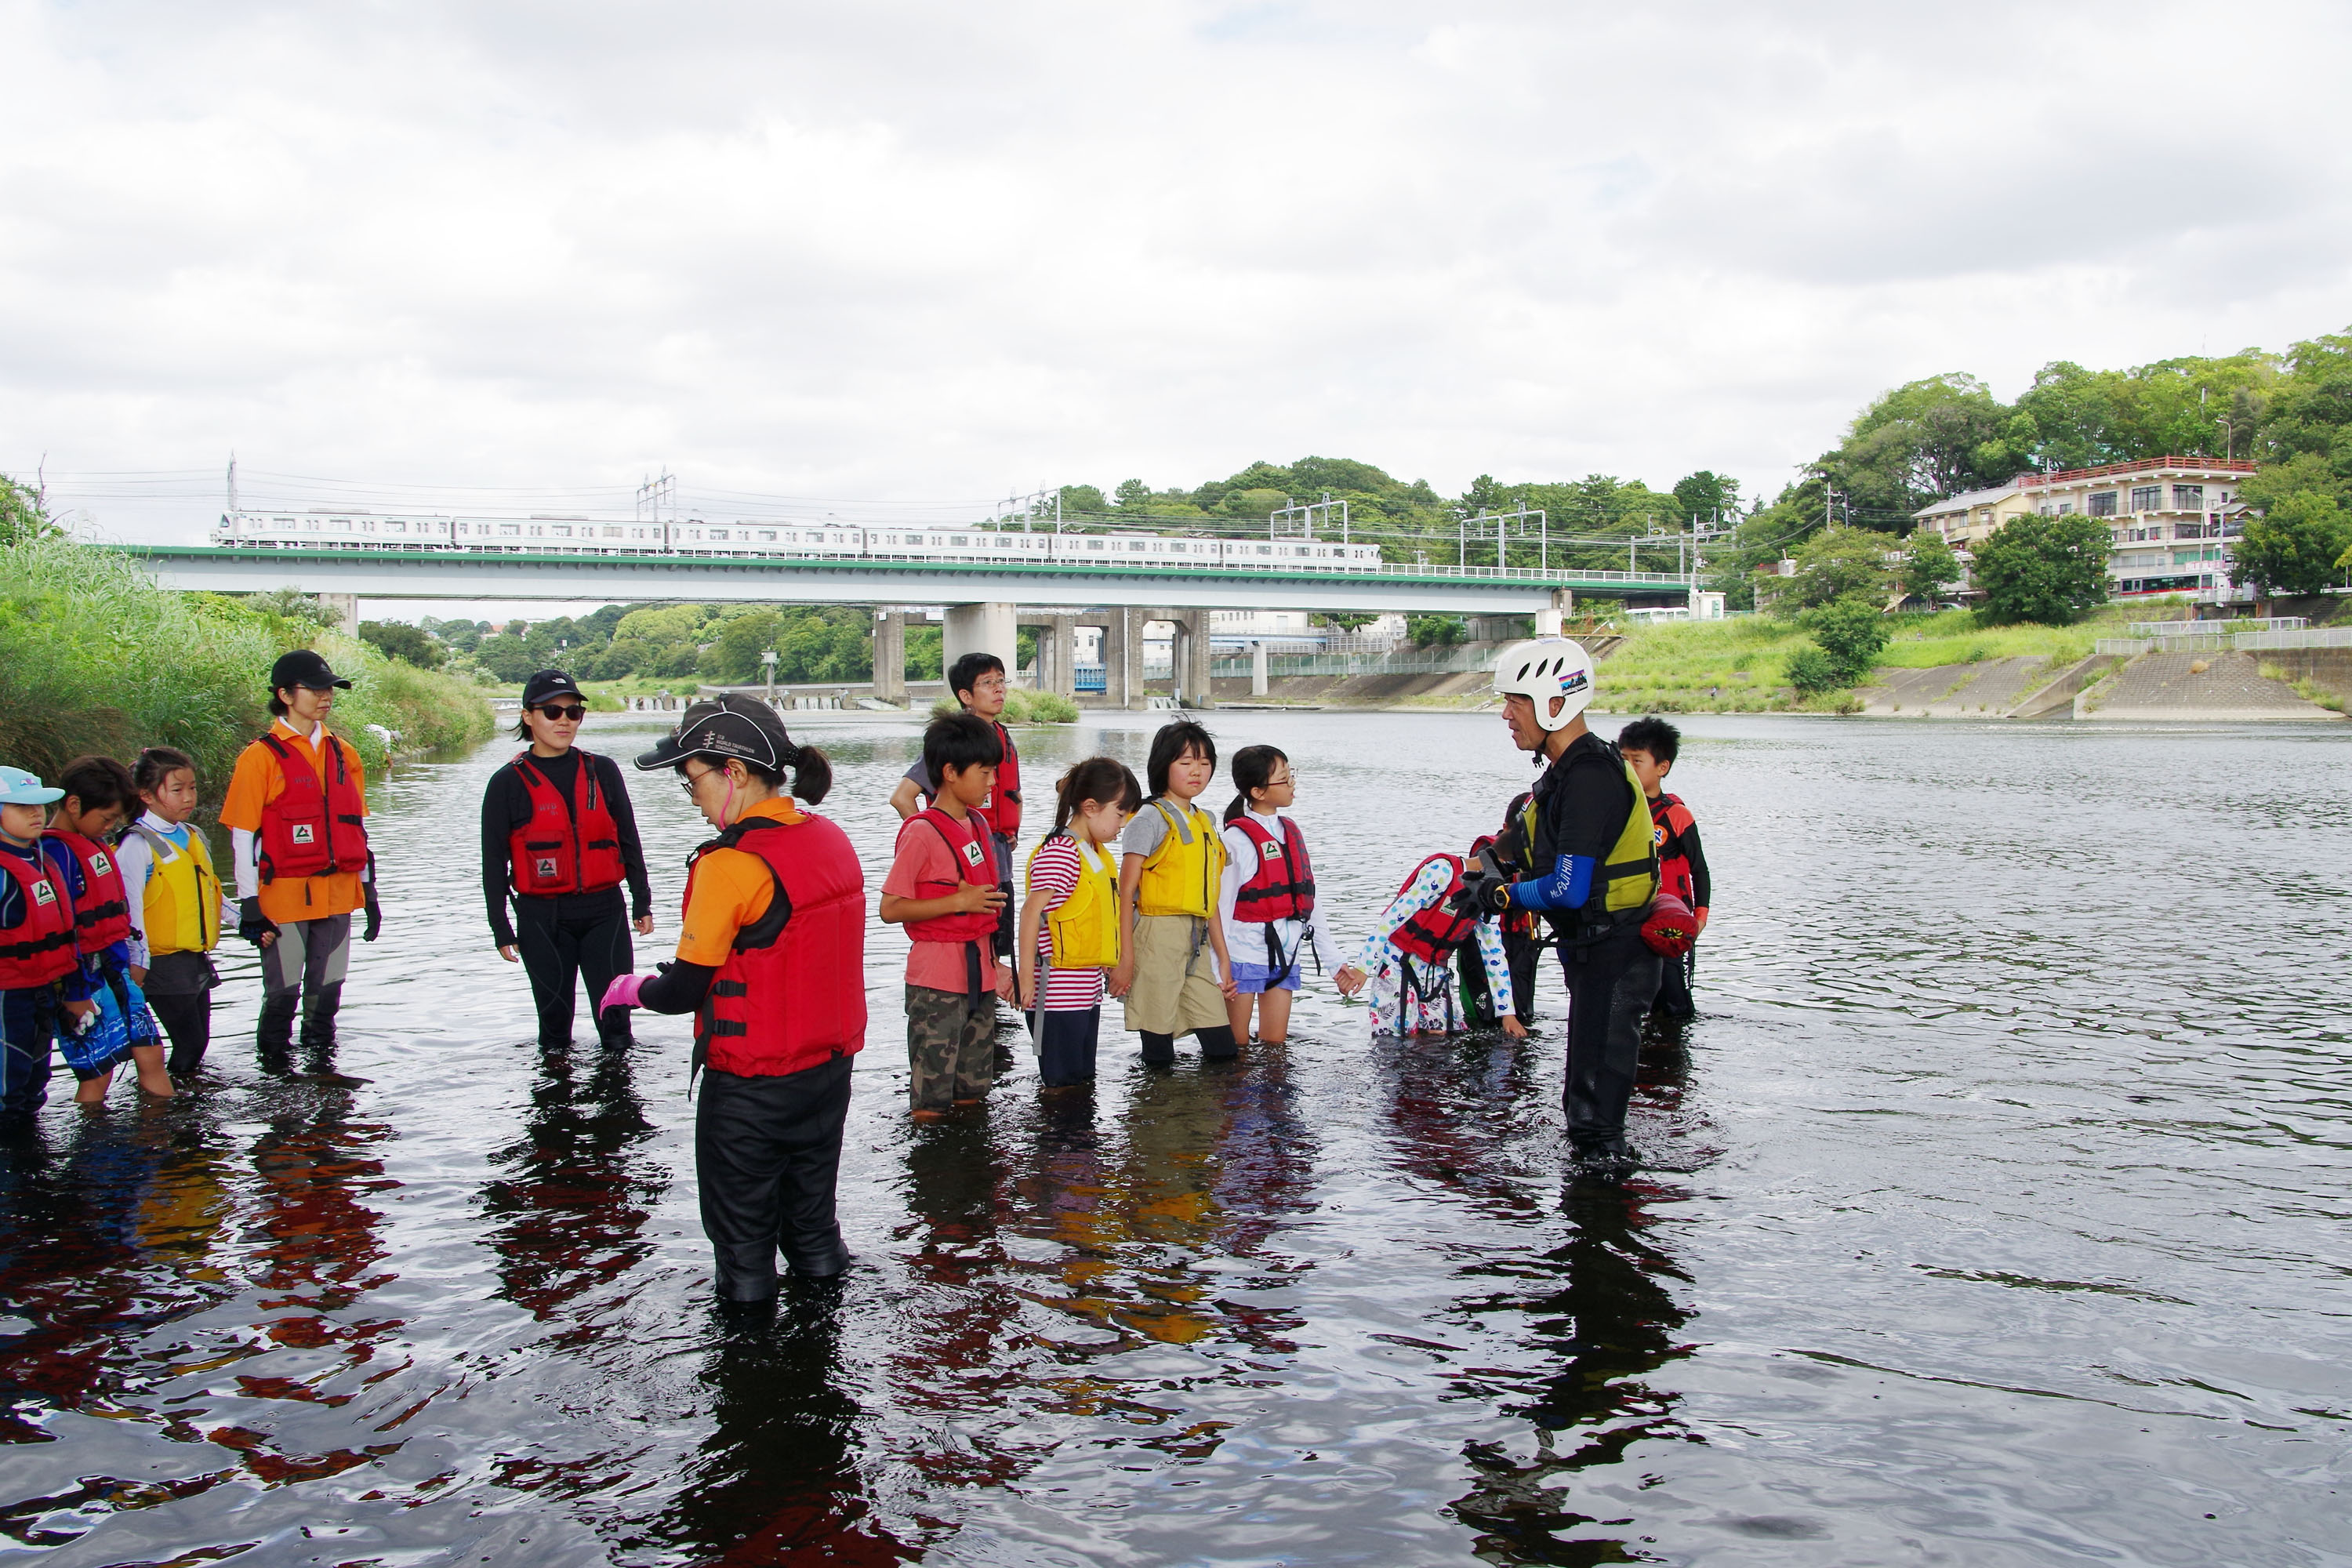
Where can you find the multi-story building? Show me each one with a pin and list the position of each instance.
(2170, 519)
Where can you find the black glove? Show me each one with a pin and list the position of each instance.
(1482, 893)
(374, 922)
(251, 923)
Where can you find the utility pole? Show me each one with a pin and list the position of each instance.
(232, 484)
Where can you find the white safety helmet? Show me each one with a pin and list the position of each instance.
(1543, 669)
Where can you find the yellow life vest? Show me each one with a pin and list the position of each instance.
(1084, 926)
(1628, 880)
(1180, 878)
(181, 910)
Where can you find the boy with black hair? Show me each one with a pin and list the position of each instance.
(1650, 746)
(38, 963)
(943, 887)
(978, 681)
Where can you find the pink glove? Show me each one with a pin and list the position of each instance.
(623, 992)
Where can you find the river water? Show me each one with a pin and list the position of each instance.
(1997, 1217)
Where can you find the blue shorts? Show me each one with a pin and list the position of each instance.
(1251, 979)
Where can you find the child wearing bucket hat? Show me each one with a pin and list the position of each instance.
(36, 948)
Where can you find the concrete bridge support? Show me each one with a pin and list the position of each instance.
(890, 657)
(1258, 670)
(1123, 658)
(980, 629)
(1548, 622)
(1057, 654)
(1192, 657)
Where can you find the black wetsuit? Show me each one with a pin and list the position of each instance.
(566, 939)
(1582, 803)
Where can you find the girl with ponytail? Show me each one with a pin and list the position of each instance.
(1067, 937)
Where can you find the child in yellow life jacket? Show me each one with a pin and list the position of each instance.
(178, 907)
(1069, 925)
(1172, 966)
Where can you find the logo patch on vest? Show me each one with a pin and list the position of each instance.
(1267, 853)
(304, 833)
(43, 893)
(99, 862)
(543, 870)
(971, 854)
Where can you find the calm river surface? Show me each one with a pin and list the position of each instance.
(1997, 1219)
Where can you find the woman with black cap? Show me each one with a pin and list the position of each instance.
(559, 836)
(772, 962)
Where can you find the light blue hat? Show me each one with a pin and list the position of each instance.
(18, 787)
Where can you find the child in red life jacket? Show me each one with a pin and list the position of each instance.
(99, 795)
(1069, 923)
(977, 682)
(1267, 899)
(1409, 955)
(36, 948)
(771, 963)
(1650, 746)
(942, 886)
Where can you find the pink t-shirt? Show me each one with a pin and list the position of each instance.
(1055, 873)
(923, 855)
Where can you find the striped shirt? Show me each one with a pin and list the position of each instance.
(1055, 873)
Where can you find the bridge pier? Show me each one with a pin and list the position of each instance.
(890, 657)
(988, 627)
(1123, 658)
(1192, 657)
(1057, 633)
(1548, 622)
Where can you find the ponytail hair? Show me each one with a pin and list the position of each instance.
(1253, 766)
(812, 774)
(1097, 779)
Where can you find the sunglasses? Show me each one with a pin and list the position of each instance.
(559, 710)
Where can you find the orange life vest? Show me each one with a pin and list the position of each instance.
(312, 828)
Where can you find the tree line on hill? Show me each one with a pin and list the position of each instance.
(685, 643)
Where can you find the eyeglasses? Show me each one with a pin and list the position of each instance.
(692, 782)
(559, 710)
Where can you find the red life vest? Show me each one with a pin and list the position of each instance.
(40, 948)
(573, 848)
(975, 862)
(1002, 809)
(309, 830)
(102, 913)
(1432, 934)
(781, 1006)
(1282, 888)
(1672, 819)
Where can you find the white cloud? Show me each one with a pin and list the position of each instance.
(923, 252)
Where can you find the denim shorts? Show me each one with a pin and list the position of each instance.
(1250, 979)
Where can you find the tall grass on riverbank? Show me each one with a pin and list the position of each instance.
(95, 657)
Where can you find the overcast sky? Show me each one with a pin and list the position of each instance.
(930, 253)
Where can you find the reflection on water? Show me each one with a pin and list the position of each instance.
(1992, 1218)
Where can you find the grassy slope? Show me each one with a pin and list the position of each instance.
(1741, 666)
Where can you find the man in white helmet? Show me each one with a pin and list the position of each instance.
(1589, 866)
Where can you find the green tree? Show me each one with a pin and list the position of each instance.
(742, 640)
(2298, 546)
(1711, 497)
(2047, 569)
(1812, 672)
(1131, 494)
(1832, 564)
(1851, 631)
(291, 604)
(1436, 631)
(1924, 441)
(22, 518)
(410, 645)
(509, 658)
(1928, 565)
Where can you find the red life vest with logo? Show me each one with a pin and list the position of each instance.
(975, 861)
(564, 848)
(791, 994)
(312, 829)
(1282, 888)
(39, 948)
(101, 913)
(1672, 819)
(1432, 934)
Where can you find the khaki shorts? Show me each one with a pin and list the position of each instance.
(1175, 989)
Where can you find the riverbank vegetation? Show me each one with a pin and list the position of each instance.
(1022, 706)
(670, 646)
(95, 657)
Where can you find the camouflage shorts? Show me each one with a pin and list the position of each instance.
(951, 1047)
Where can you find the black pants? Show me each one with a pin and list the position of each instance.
(767, 1153)
(561, 950)
(188, 1019)
(1674, 976)
(1525, 957)
(1066, 1049)
(1611, 983)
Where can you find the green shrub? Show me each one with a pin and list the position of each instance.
(1812, 672)
(1025, 707)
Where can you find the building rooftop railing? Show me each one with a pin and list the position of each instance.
(2137, 466)
(2209, 628)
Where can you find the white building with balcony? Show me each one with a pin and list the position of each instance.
(2170, 520)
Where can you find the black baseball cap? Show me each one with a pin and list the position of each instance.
(548, 683)
(304, 666)
(733, 725)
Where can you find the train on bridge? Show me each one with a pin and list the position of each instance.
(693, 538)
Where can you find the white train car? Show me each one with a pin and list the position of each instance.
(754, 540)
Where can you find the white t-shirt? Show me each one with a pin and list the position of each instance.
(1245, 940)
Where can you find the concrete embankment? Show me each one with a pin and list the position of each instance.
(2151, 687)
